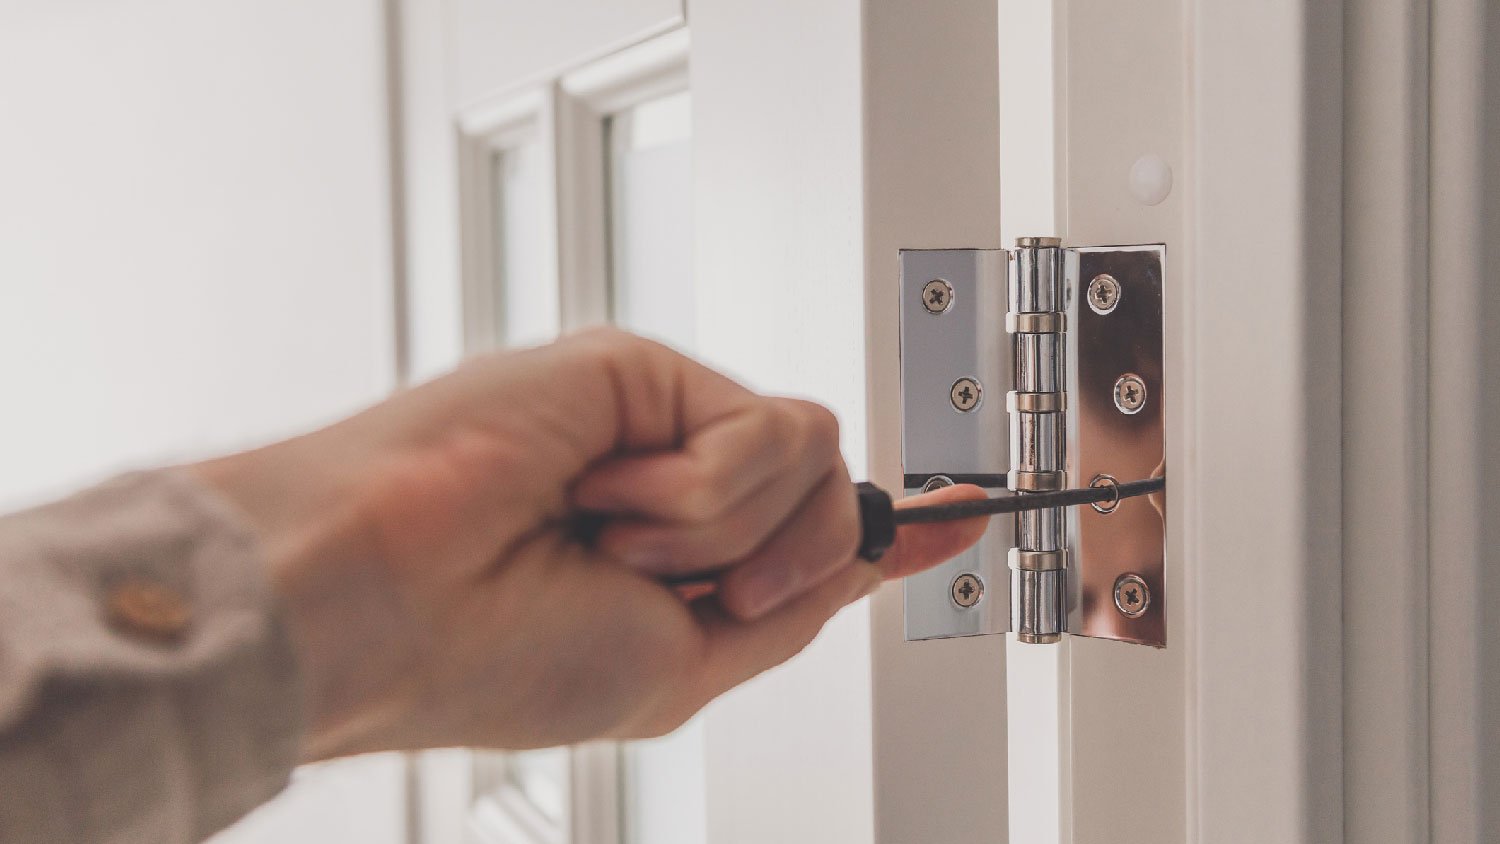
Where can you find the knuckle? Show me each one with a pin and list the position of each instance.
(612, 344)
(741, 536)
(604, 335)
(778, 431)
(701, 496)
(822, 427)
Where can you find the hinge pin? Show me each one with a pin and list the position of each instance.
(1038, 446)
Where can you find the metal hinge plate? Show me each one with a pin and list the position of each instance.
(958, 362)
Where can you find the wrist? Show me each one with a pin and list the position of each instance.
(318, 563)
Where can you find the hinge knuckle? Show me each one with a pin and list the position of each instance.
(1038, 458)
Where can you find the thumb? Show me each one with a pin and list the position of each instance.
(919, 547)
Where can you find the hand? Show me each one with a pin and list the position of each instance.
(436, 594)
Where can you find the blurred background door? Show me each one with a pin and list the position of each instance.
(195, 256)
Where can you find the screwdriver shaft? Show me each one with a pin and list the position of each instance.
(1018, 503)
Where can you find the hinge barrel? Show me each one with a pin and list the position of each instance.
(1038, 437)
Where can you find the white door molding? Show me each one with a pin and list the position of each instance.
(1385, 422)
(1231, 732)
(1463, 406)
(931, 133)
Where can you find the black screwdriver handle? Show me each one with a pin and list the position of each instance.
(877, 521)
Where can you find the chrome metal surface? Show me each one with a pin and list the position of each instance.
(968, 340)
(1132, 596)
(1039, 361)
(1040, 530)
(937, 296)
(1035, 402)
(1036, 277)
(1037, 440)
(1104, 294)
(966, 394)
(1038, 443)
(1019, 560)
(1039, 609)
(1047, 323)
(937, 482)
(1130, 393)
(1104, 441)
(967, 590)
(1024, 481)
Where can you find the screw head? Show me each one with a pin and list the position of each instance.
(967, 590)
(1103, 294)
(937, 296)
(937, 482)
(1130, 393)
(1132, 596)
(966, 394)
(1106, 507)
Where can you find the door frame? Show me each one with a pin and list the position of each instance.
(1275, 228)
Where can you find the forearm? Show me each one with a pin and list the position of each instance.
(147, 689)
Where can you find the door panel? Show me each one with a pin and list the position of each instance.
(933, 181)
(539, 38)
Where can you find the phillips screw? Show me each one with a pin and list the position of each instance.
(1130, 394)
(967, 589)
(1104, 293)
(1132, 596)
(965, 394)
(937, 296)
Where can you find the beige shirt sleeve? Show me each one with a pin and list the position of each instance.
(148, 692)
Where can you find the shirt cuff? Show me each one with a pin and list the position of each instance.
(148, 687)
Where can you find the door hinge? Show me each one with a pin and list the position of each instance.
(1037, 369)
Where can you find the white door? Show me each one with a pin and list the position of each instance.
(1317, 174)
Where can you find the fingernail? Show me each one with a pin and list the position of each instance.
(764, 589)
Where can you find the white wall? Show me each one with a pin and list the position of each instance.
(194, 253)
(193, 228)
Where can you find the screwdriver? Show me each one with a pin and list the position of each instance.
(879, 518)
